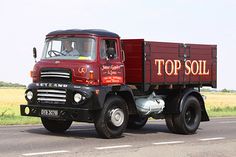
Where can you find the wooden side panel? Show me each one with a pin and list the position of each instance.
(163, 63)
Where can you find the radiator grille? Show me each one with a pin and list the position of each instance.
(52, 96)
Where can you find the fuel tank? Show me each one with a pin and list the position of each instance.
(153, 104)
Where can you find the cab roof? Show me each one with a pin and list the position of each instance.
(96, 32)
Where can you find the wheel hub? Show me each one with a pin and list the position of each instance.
(190, 116)
(117, 117)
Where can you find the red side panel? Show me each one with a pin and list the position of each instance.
(133, 49)
(162, 63)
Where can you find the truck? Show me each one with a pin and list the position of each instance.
(91, 75)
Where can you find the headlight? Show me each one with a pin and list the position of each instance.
(77, 97)
(29, 95)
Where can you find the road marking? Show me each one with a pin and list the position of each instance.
(170, 142)
(227, 122)
(45, 153)
(113, 147)
(212, 139)
(80, 129)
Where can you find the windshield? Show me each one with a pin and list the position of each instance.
(70, 48)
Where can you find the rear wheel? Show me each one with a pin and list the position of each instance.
(188, 121)
(136, 122)
(112, 119)
(56, 126)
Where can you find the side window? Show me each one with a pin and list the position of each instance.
(108, 49)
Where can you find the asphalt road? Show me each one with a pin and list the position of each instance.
(215, 138)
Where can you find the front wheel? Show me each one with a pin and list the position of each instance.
(112, 119)
(56, 126)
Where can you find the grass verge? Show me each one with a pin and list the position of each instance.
(10, 100)
(221, 112)
(13, 120)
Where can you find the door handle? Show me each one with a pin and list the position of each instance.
(121, 66)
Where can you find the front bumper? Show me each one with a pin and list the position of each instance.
(92, 101)
(64, 113)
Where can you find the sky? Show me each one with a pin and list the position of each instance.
(24, 24)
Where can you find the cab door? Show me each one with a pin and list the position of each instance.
(111, 67)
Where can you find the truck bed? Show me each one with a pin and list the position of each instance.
(164, 64)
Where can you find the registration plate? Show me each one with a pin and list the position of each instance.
(49, 113)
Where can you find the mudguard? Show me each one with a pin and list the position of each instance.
(196, 94)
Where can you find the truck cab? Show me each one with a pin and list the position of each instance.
(91, 56)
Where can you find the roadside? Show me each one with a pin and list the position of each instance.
(214, 138)
(10, 99)
(218, 104)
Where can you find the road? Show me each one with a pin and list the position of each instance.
(215, 138)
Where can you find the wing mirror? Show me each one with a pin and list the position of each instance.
(35, 53)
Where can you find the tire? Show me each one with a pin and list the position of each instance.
(113, 118)
(136, 122)
(170, 123)
(55, 126)
(188, 121)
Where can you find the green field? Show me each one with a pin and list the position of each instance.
(217, 104)
(10, 99)
(220, 104)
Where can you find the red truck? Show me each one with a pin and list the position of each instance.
(94, 76)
